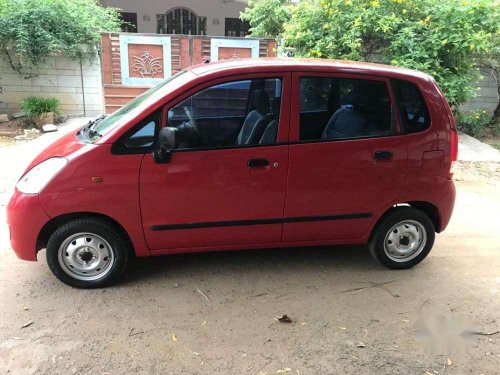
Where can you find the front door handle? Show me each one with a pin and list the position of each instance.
(253, 163)
(382, 155)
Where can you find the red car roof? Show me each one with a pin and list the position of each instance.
(292, 64)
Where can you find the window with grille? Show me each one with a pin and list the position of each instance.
(181, 21)
(236, 27)
(129, 22)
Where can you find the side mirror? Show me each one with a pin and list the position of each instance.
(166, 143)
(166, 139)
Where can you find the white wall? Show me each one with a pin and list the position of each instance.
(487, 93)
(60, 78)
(212, 9)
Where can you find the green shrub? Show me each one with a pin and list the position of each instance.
(473, 123)
(36, 106)
(32, 30)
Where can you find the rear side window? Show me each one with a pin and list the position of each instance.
(413, 110)
(344, 108)
(315, 93)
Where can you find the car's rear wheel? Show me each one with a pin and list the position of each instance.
(403, 238)
(87, 253)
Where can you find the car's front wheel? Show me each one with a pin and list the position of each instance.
(403, 238)
(87, 253)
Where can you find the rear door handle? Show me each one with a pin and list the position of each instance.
(382, 155)
(253, 163)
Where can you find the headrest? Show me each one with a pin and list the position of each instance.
(260, 101)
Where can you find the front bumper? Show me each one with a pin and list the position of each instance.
(26, 218)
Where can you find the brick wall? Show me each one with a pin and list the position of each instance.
(60, 77)
(487, 94)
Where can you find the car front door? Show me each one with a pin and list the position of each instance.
(225, 182)
(347, 157)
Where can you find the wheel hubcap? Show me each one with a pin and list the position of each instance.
(86, 256)
(405, 241)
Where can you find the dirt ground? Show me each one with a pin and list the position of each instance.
(8, 130)
(215, 313)
(493, 141)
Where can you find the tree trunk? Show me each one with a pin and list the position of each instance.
(496, 113)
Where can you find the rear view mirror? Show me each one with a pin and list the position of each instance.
(166, 143)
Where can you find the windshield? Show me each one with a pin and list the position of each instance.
(136, 106)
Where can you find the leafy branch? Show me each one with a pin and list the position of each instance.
(33, 30)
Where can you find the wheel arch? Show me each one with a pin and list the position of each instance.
(428, 208)
(49, 227)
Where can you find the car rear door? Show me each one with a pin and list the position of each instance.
(217, 192)
(337, 184)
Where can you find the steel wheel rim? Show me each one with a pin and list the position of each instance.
(86, 256)
(405, 241)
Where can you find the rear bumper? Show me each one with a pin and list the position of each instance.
(446, 205)
(26, 218)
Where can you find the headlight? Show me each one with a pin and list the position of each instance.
(40, 175)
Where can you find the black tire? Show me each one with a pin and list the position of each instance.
(119, 250)
(402, 217)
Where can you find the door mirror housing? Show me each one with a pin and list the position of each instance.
(166, 143)
(166, 138)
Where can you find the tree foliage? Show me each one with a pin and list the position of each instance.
(266, 17)
(443, 38)
(32, 30)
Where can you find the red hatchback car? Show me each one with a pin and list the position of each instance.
(245, 154)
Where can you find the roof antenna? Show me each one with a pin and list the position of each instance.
(206, 61)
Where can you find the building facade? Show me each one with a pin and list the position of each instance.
(189, 17)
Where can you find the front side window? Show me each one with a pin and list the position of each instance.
(144, 136)
(412, 107)
(232, 114)
(344, 108)
(140, 139)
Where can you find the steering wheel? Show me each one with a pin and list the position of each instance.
(190, 116)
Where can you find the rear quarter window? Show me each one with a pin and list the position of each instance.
(412, 107)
